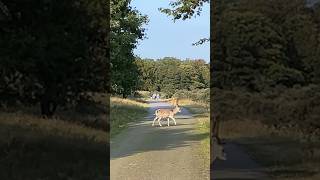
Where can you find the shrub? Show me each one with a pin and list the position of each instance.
(278, 107)
(197, 95)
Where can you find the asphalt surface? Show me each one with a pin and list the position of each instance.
(143, 152)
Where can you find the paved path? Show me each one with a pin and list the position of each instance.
(143, 152)
(238, 166)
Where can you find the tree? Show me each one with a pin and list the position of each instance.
(184, 9)
(263, 44)
(126, 30)
(49, 58)
(316, 64)
(170, 75)
(147, 74)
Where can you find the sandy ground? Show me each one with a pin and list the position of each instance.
(143, 152)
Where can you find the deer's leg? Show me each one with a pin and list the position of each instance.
(159, 121)
(175, 123)
(154, 121)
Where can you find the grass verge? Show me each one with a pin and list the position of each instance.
(201, 113)
(72, 145)
(124, 111)
(284, 154)
(34, 148)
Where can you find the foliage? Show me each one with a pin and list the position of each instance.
(126, 30)
(198, 95)
(50, 58)
(261, 46)
(171, 74)
(184, 9)
(278, 107)
(265, 71)
(124, 111)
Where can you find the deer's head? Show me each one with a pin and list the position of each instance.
(177, 109)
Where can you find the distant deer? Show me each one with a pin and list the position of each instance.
(166, 113)
(217, 149)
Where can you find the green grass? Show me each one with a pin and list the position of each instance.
(124, 111)
(204, 128)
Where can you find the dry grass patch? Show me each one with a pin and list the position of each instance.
(124, 111)
(199, 109)
(116, 101)
(35, 148)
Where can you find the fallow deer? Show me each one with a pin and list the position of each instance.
(166, 113)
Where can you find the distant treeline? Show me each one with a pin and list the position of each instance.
(168, 75)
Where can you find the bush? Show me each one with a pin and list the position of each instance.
(197, 95)
(278, 107)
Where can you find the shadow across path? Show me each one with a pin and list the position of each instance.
(154, 139)
(239, 165)
(148, 152)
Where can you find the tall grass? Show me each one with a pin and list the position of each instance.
(72, 145)
(125, 111)
(35, 148)
(278, 127)
(197, 95)
(282, 153)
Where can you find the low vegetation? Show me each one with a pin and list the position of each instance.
(199, 96)
(284, 154)
(62, 147)
(278, 128)
(125, 111)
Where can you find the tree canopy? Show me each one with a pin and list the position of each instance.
(262, 46)
(55, 52)
(171, 74)
(52, 58)
(126, 30)
(184, 9)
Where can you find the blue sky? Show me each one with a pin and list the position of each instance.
(166, 38)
